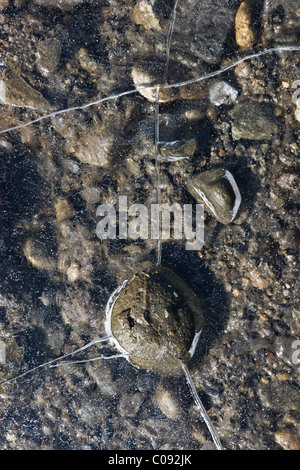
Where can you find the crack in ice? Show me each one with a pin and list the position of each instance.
(153, 87)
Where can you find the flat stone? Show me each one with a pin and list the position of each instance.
(15, 91)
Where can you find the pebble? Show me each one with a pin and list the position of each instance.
(142, 14)
(252, 121)
(15, 91)
(37, 254)
(288, 439)
(178, 148)
(261, 277)
(63, 210)
(244, 32)
(222, 92)
(218, 191)
(168, 403)
(93, 147)
(287, 180)
(73, 272)
(149, 72)
(48, 55)
(130, 404)
(201, 28)
(62, 125)
(155, 318)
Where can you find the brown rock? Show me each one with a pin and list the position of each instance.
(149, 73)
(244, 31)
(288, 440)
(37, 254)
(15, 91)
(143, 15)
(3, 4)
(168, 404)
(261, 277)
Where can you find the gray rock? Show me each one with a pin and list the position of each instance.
(252, 121)
(222, 93)
(280, 22)
(48, 55)
(201, 28)
(130, 404)
(279, 396)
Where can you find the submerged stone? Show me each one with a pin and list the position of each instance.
(252, 121)
(178, 148)
(37, 253)
(280, 22)
(201, 28)
(218, 191)
(221, 93)
(11, 359)
(149, 72)
(244, 30)
(15, 91)
(48, 55)
(142, 14)
(155, 319)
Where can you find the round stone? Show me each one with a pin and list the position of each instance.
(155, 320)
